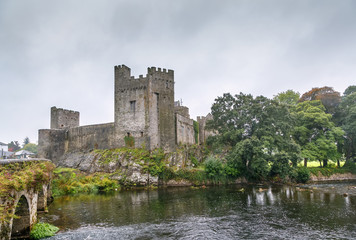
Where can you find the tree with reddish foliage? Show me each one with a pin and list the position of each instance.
(327, 95)
(14, 146)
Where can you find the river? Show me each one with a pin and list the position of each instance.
(318, 211)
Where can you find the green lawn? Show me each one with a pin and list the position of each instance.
(317, 164)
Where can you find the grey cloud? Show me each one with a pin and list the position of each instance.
(62, 52)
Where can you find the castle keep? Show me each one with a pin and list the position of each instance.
(145, 113)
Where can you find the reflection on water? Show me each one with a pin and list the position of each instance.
(233, 212)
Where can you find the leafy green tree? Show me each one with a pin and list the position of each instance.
(347, 121)
(256, 130)
(25, 141)
(30, 147)
(288, 97)
(315, 132)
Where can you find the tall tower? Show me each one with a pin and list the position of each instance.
(144, 108)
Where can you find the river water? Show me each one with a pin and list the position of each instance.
(231, 212)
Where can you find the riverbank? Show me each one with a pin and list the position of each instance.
(126, 168)
(334, 177)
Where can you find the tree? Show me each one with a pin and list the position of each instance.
(25, 141)
(327, 95)
(31, 147)
(13, 146)
(347, 121)
(256, 130)
(315, 132)
(288, 97)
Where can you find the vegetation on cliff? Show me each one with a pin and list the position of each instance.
(67, 181)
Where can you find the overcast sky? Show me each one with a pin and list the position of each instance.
(63, 53)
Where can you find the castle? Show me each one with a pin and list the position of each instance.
(146, 115)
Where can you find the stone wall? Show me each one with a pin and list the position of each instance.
(64, 119)
(334, 177)
(185, 130)
(182, 110)
(203, 132)
(54, 143)
(99, 136)
(51, 143)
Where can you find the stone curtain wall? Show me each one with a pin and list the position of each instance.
(185, 130)
(203, 132)
(51, 143)
(54, 143)
(100, 136)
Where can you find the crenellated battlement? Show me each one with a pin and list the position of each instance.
(152, 70)
(64, 110)
(161, 74)
(122, 67)
(63, 118)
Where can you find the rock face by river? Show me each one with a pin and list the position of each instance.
(334, 177)
(124, 165)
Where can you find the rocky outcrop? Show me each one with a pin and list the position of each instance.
(130, 165)
(334, 177)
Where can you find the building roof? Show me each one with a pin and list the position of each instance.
(22, 152)
(3, 144)
(6, 153)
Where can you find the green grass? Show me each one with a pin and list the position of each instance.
(327, 171)
(317, 164)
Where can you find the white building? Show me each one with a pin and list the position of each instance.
(3, 147)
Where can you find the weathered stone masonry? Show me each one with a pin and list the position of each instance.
(144, 110)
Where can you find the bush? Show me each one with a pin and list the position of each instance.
(214, 169)
(350, 166)
(300, 175)
(280, 165)
(129, 141)
(43, 230)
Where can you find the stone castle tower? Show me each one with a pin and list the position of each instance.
(144, 107)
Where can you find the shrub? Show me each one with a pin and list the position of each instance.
(280, 165)
(194, 161)
(350, 166)
(214, 169)
(129, 141)
(43, 230)
(300, 174)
